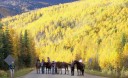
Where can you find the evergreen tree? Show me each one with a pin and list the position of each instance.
(8, 43)
(1, 52)
(7, 47)
(1, 25)
(27, 50)
(32, 51)
(20, 54)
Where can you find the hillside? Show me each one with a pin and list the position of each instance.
(4, 12)
(87, 29)
(13, 7)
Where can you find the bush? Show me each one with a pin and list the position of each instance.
(3, 74)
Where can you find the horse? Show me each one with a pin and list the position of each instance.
(72, 68)
(80, 67)
(48, 67)
(61, 65)
(66, 65)
(38, 65)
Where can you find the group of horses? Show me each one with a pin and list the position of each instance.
(63, 65)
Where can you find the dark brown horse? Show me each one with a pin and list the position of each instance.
(48, 67)
(80, 67)
(61, 65)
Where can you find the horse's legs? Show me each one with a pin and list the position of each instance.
(83, 72)
(72, 71)
(65, 70)
(77, 72)
(80, 72)
(61, 70)
(55, 70)
(49, 70)
(46, 70)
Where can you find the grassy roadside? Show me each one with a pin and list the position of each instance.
(3, 74)
(22, 72)
(18, 73)
(97, 73)
(106, 74)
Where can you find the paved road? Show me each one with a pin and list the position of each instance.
(34, 75)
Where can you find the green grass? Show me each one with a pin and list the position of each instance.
(3, 74)
(22, 72)
(18, 73)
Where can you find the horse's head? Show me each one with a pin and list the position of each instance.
(75, 61)
(47, 64)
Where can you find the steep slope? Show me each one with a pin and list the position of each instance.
(4, 12)
(90, 29)
(14, 7)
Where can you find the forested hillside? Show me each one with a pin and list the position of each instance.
(87, 29)
(14, 7)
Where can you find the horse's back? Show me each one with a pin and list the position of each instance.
(59, 64)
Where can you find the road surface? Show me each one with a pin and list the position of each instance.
(34, 75)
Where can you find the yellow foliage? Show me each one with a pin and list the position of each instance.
(82, 29)
(125, 52)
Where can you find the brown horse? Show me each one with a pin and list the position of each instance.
(80, 67)
(48, 67)
(61, 65)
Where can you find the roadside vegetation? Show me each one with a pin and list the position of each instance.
(18, 73)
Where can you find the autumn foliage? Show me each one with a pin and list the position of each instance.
(86, 29)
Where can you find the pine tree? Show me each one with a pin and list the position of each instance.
(1, 52)
(7, 46)
(27, 50)
(7, 43)
(20, 54)
(32, 51)
(1, 25)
